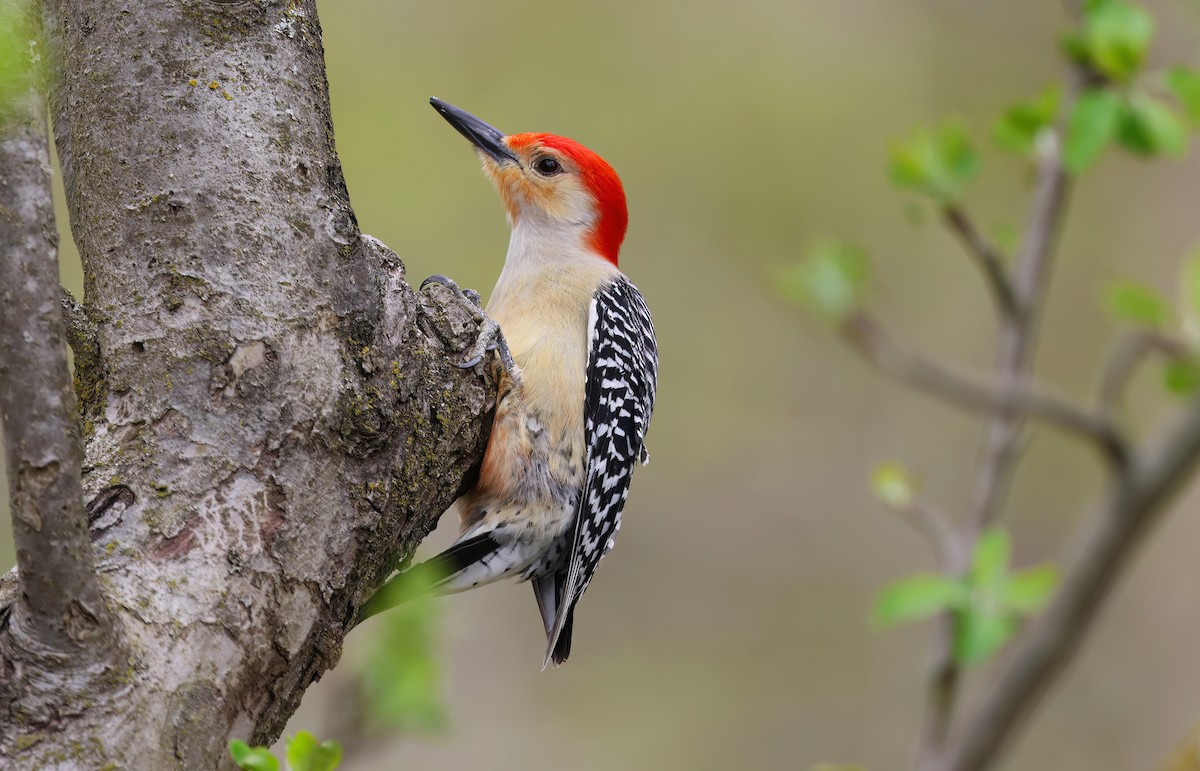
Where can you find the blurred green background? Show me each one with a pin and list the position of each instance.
(729, 628)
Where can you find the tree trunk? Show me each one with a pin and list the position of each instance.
(271, 416)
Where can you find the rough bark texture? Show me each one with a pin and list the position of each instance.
(57, 639)
(272, 416)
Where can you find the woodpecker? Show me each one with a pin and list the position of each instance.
(576, 389)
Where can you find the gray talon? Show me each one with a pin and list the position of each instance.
(438, 278)
(490, 337)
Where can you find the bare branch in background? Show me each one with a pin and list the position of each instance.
(1014, 357)
(987, 258)
(1018, 334)
(1129, 354)
(1021, 399)
(59, 607)
(1099, 554)
(936, 527)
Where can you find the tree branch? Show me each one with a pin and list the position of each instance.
(275, 415)
(1100, 553)
(935, 526)
(1019, 332)
(987, 258)
(1020, 400)
(1133, 348)
(1014, 357)
(59, 607)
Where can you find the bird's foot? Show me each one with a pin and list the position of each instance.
(490, 338)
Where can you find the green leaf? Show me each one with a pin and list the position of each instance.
(916, 597)
(996, 598)
(19, 55)
(239, 750)
(400, 674)
(1092, 126)
(1150, 127)
(305, 754)
(1018, 129)
(252, 758)
(1139, 304)
(979, 633)
(1182, 376)
(1028, 591)
(1116, 37)
(1185, 85)
(989, 562)
(299, 751)
(327, 757)
(936, 163)
(829, 280)
(891, 484)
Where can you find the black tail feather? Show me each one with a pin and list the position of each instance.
(562, 648)
(457, 558)
(426, 577)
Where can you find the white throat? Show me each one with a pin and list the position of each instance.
(544, 253)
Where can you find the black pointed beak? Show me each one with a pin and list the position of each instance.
(485, 137)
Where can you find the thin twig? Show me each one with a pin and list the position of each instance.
(1014, 357)
(935, 526)
(1018, 333)
(59, 607)
(987, 258)
(1022, 400)
(1101, 550)
(1129, 353)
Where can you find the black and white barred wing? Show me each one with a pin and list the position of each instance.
(621, 377)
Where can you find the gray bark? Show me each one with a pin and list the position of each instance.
(271, 416)
(58, 636)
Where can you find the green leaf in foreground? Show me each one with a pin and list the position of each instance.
(989, 562)
(829, 280)
(980, 632)
(16, 54)
(1116, 37)
(1028, 592)
(1138, 304)
(987, 606)
(938, 163)
(305, 753)
(1092, 126)
(1185, 85)
(400, 675)
(1018, 129)
(916, 597)
(1150, 127)
(252, 758)
(1182, 376)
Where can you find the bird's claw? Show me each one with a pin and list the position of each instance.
(490, 337)
(470, 294)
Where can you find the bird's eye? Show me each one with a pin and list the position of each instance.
(548, 167)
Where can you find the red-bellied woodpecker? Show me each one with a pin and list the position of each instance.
(577, 391)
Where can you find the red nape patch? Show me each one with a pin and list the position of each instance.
(603, 183)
